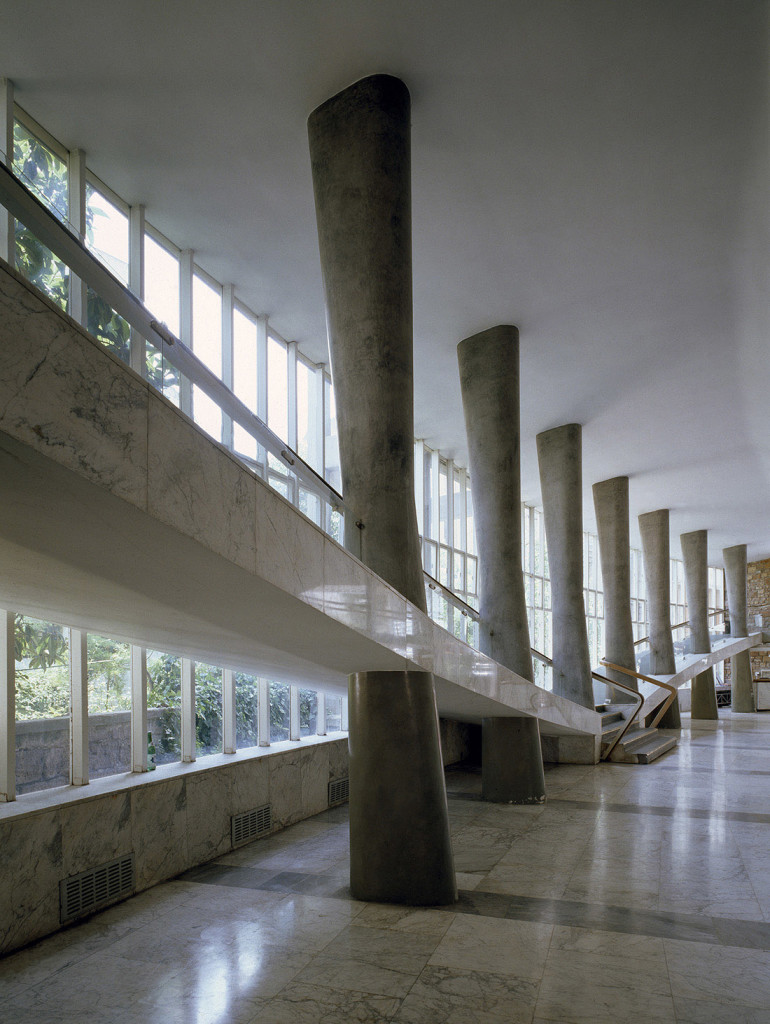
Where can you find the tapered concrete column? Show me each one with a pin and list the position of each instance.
(512, 761)
(611, 505)
(360, 155)
(561, 484)
(653, 527)
(399, 834)
(742, 698)
(695, 555)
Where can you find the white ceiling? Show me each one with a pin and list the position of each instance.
(595, 172)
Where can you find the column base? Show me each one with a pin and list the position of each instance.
(742, 698)
(511, 761)
(399, 823)
(704, 697)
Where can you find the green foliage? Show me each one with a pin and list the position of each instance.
(109, 666)
(112, 330)
(42, 680)
(46, 174)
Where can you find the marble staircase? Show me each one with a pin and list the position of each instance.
(639, 745)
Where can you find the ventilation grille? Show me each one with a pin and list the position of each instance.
(251, 825)
(81, 894)
(339, 791)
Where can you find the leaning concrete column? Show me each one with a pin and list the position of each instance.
(653, 527)
(695, 555)
(561, 484)
(512, 761)
(360, 154)
(359, 148)
(742, 698)
(611, 504)
(399, 841)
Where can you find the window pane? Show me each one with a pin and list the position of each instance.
(277, 388)
(161, 296)
(279, 712)
(333, 713)
(46, 176)
(105, 324)
(245, 376)
(331, 443)
(443, 526)
(308, 712)
(164, 704)
(246, 705)
(107, 232)
(308, 443)
(109, 706)
(207, 345)
(208, 710)
(42, 705)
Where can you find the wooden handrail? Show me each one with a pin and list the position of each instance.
(679, 625)
(609, 682)
(647, 679)
(629, 721)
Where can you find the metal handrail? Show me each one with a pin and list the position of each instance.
(609, 682)
(680, 625)
(647, 679)
(27, 208)
(462, 606)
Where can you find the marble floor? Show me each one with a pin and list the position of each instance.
(637, 893)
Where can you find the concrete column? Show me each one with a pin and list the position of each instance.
(360, 155)
(695, 555)
(740, 664)
(512, 761)
(561, 485)
(611, 504)
(399, 835)
(653, 526)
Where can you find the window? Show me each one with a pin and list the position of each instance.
(207, 346)
(280, 702)
(308, 712)
(208, 710)
(246, 710)
(42, 705)
(109, 707)
(245, 377)
(107, 238)
(45, 173)
(164, 705)
(162, 298)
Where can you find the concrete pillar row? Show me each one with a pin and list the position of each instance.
(612, 524)
(360, 157)
(695, 555)
(654, 530)
(512, 762)
(742, 699)
(561, 484)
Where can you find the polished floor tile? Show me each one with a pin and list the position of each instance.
(636, 893)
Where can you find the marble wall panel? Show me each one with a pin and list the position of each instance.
(208, 815)
(195, 486)
(95, 832)
(339, 759)
(32, 851)
(285, 778)
(64, 395)
(250, 785)
(346, 597)
(314, 771)
(159, 823)
(290, 550)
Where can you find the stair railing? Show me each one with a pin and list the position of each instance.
(679, 625)
(612, 684)
(647, 679)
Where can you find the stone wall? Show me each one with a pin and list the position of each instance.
(172, 820)
(758, 603)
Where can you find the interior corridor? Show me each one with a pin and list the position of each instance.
(637, 893)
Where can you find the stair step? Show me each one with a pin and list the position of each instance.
(612, 718)
(636, 738)
(653, 751)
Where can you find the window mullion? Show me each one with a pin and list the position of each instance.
(76, 187)
(228, 711)
(294, 724)
(263, 712)
(79, 707)
(188, 710)
(139, 728)
(228, 308)
(7, 244)
(136, 229)
(8, 707)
